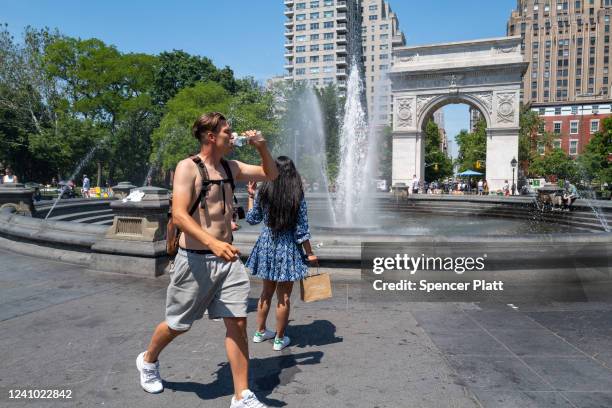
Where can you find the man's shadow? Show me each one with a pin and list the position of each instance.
(265, 374)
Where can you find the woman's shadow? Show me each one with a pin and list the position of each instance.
(265, 374)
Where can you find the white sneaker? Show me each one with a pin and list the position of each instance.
(249, 400)
(150, 381)
(280, 344)
(263, 336)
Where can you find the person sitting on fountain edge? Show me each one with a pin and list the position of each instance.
(207, 273)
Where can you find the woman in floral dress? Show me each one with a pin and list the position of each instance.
(283, 248)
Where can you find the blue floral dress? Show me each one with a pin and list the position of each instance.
(278, 257)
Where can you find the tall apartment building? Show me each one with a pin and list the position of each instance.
(438, 118)
(380, 33)
(319, 40)
(567, 43)
(322, 36)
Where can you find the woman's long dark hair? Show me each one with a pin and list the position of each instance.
(281, 198)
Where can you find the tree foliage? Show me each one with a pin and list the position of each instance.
(64, 98)
(437, 164)
(472, 147)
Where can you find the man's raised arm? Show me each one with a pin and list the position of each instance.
(267, 170)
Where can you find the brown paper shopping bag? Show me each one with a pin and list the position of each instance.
(315, 287)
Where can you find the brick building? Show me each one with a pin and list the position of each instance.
(572, 123)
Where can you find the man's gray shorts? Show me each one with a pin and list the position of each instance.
(202, 281)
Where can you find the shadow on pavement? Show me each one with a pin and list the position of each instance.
(265, 375)
(317, 333)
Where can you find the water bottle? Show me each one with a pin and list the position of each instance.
(240, 141)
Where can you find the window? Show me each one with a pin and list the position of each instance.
(328, 69)
(300, 71)
(384, 46)
(384, 26)
(541, 149)
(372, 17)
(557, 144)
(328, 57)
(314, 47)
(557, 110)
(328, 13)
(384, 36)
(314, 58)
(314, 4)
(300, 17)
(594, 125)
(314, 37)
(373, 7)
(574, 127)
(300, 27)
(573, 147)
(328, 80)
(328, 24)
(384, 56)
(328, 3)
(385, 67)
(300, 60)
(300, 6)
(300, 48)
(314, 16)
(328, 46)
(328, 36)
(300, 38)
(314, 70)
(557, 128)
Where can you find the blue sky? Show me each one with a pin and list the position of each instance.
(247, 35)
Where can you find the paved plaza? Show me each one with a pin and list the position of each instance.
(62, 327)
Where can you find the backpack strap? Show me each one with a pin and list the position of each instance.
(228, 171)
(205, 183)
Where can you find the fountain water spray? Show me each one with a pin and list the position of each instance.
(353, 178)
(76, 171)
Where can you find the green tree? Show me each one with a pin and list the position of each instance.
(173, 140)
(113, 91)
(593, 164)
(437, 164)
(386, 154)
(472, 147)
(331, 108)
(27, 98)
(554, 163)
(177, 70)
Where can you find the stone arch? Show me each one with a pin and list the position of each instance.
(442, 100)
(485, 74)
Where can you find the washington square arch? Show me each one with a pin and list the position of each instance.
(485, 74)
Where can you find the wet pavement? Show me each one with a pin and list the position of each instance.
(65, 328)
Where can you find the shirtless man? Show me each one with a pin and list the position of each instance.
(207, 273)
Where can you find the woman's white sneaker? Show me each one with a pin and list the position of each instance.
(260, 337)
(150, 380)
(281, 343)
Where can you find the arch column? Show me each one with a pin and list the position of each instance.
(408, 156)
(502, 147)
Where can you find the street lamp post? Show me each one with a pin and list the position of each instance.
(513, 163)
